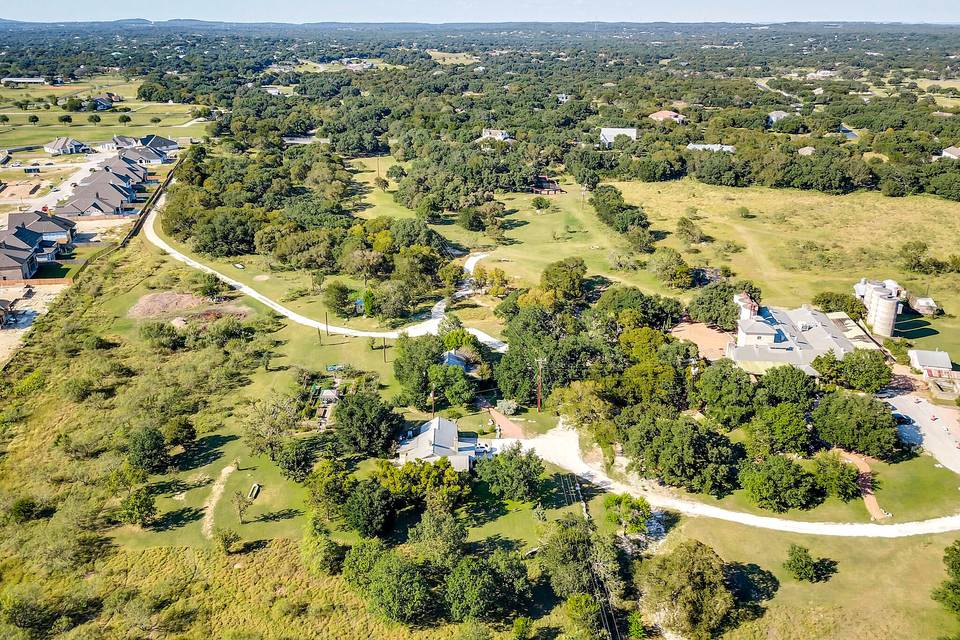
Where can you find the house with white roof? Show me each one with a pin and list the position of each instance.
(951, 153)
(768, 337)
(776, 116)
(932, 364)
(65, 147)
(608, 135)
(713, 148)
(499, 135)
(438, 438)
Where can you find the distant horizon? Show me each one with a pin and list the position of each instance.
(477, 22)
(446, 12)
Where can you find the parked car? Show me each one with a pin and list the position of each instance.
(902, 419)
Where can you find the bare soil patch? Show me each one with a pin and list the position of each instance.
(22, 189)
(711, 342)
(261, 278)
(164, 303)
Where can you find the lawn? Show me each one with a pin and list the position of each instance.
(18, 131)
(452, 57)
(279, 510)
(881, 588)
(792, 243)
(915, 489)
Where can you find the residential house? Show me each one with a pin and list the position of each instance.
(494, 134)
(453, 359)
(666, 114)
(98, 198)
(545, 186)
(22, 250)
(768, 337)
(160, 144)
(438, 439)
(608, 135)
(119, 142)
(65, 147)
(50, 227)
(776, 116)
(136, 173)
(714, 148)
(110, 187)
(143, 156)
(109, 96)
(97, 104)
(951, 153)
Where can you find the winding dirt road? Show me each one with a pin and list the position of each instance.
(427, 326)
(561, 445)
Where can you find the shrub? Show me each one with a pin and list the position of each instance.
(507, 407)
(800, 563)
(225, 539)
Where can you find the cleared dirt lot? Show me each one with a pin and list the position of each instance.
(29, 304)
(20, 189)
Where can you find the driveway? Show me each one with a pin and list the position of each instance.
(935, 428)
(561, 447)
(79, 171)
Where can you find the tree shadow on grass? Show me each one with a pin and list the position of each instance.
(170, 486)
(253, 545)
(751, 585)
(204, 451)
(278, 515)
(491, 543)
(177, 518)
(483, 507)
(824, 569)
(543, 600)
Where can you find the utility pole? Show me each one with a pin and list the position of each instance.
(384, 348)
(433, 401)
(326, 322)
(319, 336)
(540, 362)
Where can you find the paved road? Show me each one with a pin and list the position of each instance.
(561, 447)
(935, 428)
(423, 328)
(80, 171)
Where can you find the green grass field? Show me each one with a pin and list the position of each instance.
(18, 131)
(450, 57)
(881, 588)
(793, 244)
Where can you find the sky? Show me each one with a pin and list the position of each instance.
(488, 10)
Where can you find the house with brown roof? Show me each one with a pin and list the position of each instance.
(666, 114)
